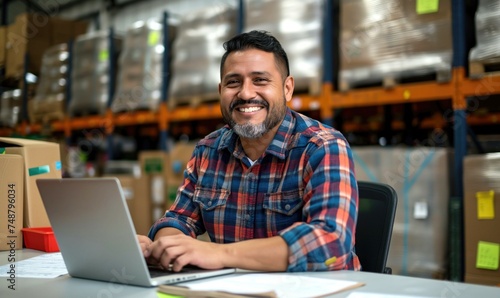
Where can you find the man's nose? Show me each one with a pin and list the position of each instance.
(247, 90)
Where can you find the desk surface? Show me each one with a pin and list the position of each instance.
(66, 286)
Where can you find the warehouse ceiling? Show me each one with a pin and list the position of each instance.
(61, 5)
(11, 8)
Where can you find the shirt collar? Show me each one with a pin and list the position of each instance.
(278, 147)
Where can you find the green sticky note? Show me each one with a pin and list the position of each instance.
(163, 295)
(488, 255)
(153, 38)
(427, 6)
(103, 55)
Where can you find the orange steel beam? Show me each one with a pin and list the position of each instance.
(413, 92)
(135, 118)
(163, 116)
(203, 111)
(94, 121)
(487, 85)
(459, 101)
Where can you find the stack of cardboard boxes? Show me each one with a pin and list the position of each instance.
(22, 162)
(30, 35)
(482, 218)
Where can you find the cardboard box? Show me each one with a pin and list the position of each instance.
(422, 180)
(482, 218)
(11, 201)
(153, 200)
(129, 185)
(33, 33)
(41, 160)
(179, 156)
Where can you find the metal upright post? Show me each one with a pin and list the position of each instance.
(111, 89)
(68, 92)
(241, 17)
(328, 53)
(460, 59)
(165, 84)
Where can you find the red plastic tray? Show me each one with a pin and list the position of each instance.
(40, 239)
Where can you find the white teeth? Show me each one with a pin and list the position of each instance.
(249, 110)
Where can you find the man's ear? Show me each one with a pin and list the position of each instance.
(289, 86)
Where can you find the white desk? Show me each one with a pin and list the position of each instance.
(66, 286)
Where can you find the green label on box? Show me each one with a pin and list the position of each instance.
(427, 6)
(2, 150)
(103, 55)
(38, 170)
(153, 165)
(153, 38)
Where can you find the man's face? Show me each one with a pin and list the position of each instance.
(252, 92)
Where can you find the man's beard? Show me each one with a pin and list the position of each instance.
(252, 131)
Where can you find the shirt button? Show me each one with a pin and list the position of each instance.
(287, 207)
(247, 216)
(251, 176)
(209, 203)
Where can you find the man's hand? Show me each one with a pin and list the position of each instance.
(144, 242)
(180, 250)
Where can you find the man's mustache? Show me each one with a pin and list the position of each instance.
(240, 102)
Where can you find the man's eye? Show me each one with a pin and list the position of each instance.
(232, 82)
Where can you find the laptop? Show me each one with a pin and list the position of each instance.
(96, 236)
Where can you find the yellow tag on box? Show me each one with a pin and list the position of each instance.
(485, 204)
(488, 255)
(427, 6)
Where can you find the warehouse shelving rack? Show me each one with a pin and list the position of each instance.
(457, 90)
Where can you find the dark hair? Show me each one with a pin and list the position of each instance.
(260, 40)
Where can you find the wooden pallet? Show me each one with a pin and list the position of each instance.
(487, 67)
(192, 101)
(391, 81)
(46, 112)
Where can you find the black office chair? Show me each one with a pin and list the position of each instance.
(376, 213)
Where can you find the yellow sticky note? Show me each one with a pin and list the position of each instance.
(427, 6)
(153, 38)
(485, 204)
(488, 255)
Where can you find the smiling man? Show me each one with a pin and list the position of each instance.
(274, 189)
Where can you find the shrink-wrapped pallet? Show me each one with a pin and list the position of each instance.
(11, 108)
(49, 102)
(197, 52)
(421, 179)
(140, 68)
(90, 75)
(486, 52)
(383, 42)
(298, 25)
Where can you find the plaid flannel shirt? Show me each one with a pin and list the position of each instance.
(302, 188)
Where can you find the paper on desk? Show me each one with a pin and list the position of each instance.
(374, 295)
(283, 285)
(48, 265)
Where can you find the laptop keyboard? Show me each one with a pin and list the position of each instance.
(156, 271)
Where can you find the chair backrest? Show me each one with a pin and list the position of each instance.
(376, 213)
